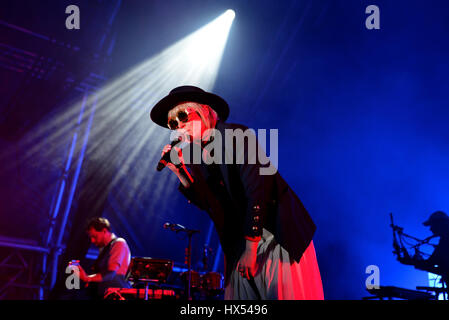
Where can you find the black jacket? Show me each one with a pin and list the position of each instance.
(241, 202)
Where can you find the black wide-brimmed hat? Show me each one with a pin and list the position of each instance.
(159, 113)
(436, 217)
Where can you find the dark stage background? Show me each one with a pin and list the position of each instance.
(362, 118)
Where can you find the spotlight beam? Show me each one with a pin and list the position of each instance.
(122, 112)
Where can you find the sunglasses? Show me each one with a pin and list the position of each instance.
(181, 116)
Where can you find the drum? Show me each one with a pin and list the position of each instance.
(212, 281)
(195, 280)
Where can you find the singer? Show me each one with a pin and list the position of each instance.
(265, 231)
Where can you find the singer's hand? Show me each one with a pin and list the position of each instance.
(180, 170)
(179, 160)
(247, 264)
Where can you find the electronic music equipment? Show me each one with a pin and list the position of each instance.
(391, 292)
(135, 294)
(149, 270)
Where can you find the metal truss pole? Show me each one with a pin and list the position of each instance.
(56, 245)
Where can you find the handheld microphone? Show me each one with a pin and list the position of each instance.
(166, 157)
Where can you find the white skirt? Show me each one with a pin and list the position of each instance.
(278, 277)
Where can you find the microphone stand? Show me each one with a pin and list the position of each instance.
(189, 265)
(190, 234)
